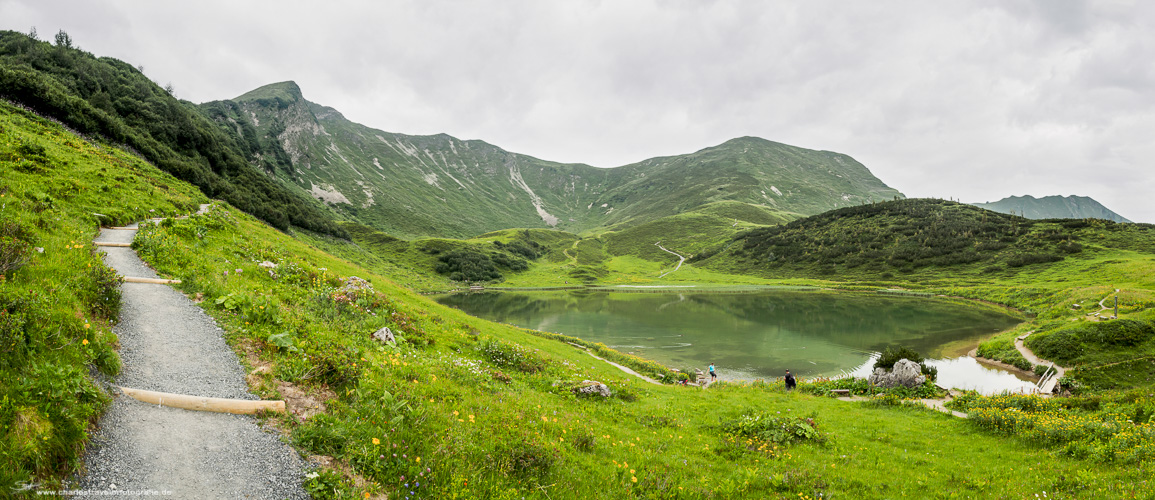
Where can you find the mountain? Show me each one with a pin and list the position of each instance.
(1053, 207)
(109, 98)
(439, 185)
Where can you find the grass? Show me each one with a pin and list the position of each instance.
(57, 299)
(459, 407)
(485, 426)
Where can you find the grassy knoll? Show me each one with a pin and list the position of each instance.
(56, 296)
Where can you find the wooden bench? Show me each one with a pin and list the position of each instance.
(840, 392)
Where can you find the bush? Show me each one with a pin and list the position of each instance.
(1026, 259)
(467, 265)
(763, 426)
(512, 356)
(893, 354)
(527, 459)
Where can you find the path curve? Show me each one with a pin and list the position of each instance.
(169, 344)
(1035, 360)
(679, 256)
(626, 369)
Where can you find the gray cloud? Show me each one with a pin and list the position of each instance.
(974, 101)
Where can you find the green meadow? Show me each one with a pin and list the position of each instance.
(458, 407)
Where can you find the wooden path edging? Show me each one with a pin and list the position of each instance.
(156, 281)
(200, 403)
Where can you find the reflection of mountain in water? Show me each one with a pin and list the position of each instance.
(809, 332)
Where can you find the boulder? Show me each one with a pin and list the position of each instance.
(384, 335)
(353, 284)
(591, 387)
(906, 373)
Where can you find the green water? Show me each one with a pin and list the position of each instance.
(749, 335)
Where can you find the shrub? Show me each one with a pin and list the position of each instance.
(511, 356)
(527, 459)
(15, 242)
(1025, 259)
(467, 265)
(1121, 332)
(893, 354)
(769, 428)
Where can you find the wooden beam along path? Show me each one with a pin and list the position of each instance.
(156, 281)
(200, 403)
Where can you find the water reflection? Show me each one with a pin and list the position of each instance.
(964, 373)
(754, 335)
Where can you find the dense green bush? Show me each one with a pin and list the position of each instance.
(772, 428)
(1065, 345)
(467, 265)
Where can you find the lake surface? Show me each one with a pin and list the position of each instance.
(761, 334)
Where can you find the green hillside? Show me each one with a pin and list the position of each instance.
(1053, 207)
(918, 238)
(57, 298)
(749, 170)
(460, 407)
(407, 186)
(479, 409)
(415, 186)
(110, 98)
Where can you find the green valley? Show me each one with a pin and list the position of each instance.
(320, 232)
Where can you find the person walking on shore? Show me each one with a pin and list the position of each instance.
(790, 382)
(713, 374)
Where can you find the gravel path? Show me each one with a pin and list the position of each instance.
(169, 344)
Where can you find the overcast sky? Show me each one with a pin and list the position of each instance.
(969, 100)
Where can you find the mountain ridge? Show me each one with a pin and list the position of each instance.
(439, 185)
(1053, 207)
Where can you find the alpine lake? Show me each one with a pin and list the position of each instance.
(761, 334)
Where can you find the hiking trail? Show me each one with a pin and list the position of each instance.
(169, 344)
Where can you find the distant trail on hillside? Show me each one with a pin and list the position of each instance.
(169, 344)
(679, 256)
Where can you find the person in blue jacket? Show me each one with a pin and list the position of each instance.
(713, 374)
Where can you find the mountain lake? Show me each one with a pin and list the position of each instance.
(759, 335)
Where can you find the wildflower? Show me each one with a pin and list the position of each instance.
(376, 441)
(87, 326)
(418, 459)
(84, 342)
(634, 479)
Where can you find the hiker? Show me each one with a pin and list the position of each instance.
(713, 375)
(790, 382)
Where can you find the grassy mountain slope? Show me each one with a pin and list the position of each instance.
(464, 408)
(57, 298)
(107, 97)
(746, 169)
(406, 185)
(913, 237)
(1053, 207)
(458, 407)
(557, 258)
(692, 231)
(412, 186)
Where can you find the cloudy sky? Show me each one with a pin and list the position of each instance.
(973, 100)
